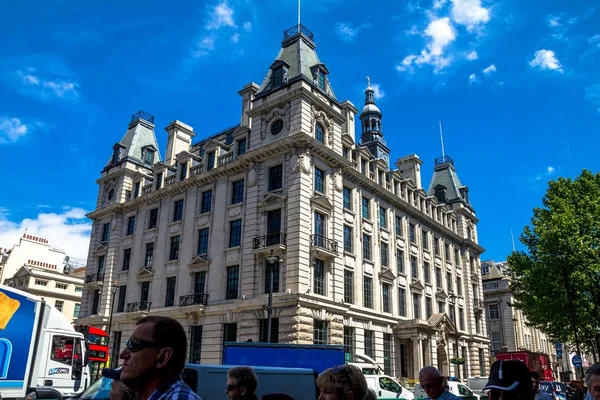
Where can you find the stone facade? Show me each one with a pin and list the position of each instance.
(368, 259)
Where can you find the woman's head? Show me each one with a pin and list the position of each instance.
(343, 382)
(118, 391)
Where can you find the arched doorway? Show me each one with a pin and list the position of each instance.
(442, 360)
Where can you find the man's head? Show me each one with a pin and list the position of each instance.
(535, 380)
(509, 380)
(592, 380)
(241, 382)
(342, 382)
(432, 382)
(155, 350)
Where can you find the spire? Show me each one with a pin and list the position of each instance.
(370, 94)
(372, 135)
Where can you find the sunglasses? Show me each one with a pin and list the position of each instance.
(232, 387)
(136, 344)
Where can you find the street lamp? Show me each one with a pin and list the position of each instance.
(452, 299)
(271, 260)
(112, 307)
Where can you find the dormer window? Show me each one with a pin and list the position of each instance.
(440, 193)
(319, 71)
(183, 171)
(149, 158)
(277, 78)
(279, 71)
(115, 157)
(210, 163)
(321, 80)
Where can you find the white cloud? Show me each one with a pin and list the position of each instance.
(220, 16)
(541, 175)
(346, 32)
(490, 69)
(204, 46)
(69, 230)
(592, 94)
(549, 170)
(12, 129)
(553, 20)
(469, 13)
(413, 31)
(546, 59)
(235, 38)
(48, 88)
(437, 4)
(378, 92)
(248, 26)
(472, 56)
(441, 33)
(472, 78)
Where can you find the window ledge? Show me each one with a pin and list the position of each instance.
(349, 210)
(349, 253)
(233, 248)
(128, 236)
(235, 204)
(172, 223)
(202, 214)
(172, 261)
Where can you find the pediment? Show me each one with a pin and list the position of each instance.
(213, 144)
(199, 261)
(145, 273)
(100, 247)
(441, 294)
(441, 322)
(322, 202)
(416, 285)
(272, 199)
(279, 63)
(23, 271)
(387, 275)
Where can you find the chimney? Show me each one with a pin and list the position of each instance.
(410, 167)
(349, 112)
(179, 139)
(247, 94)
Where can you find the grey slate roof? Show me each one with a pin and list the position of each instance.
(444, 174)
(140, 133)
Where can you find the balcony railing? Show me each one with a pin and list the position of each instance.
(169, 180)
(272, 239)
(196, 170)
(99, 277)
(225, 159)
(193, 299)
(147, 189)
(324, 243)
(142, 115)
(443, 160)
(478, 303)
(139, 306)
(297, 29)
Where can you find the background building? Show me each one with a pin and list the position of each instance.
(363, 255)
(33, 266)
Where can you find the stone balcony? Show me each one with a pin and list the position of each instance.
(322, 246)
(263, 245)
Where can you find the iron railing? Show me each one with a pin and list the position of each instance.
(193, 299)
(271, 239)
(99, 277)
(142, 115)
(297, 29)
(139, 306)
(443, 160)
(324, 243)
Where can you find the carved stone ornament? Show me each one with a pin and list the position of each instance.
(276, 112)
(319, 116)
(337, 179)
(301, 161)
(252, 175)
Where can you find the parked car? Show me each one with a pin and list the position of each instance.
(456, 388)
(477, 385)
(386, 387)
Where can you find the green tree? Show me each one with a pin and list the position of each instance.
(556, 282)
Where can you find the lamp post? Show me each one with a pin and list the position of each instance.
(112, 307)
(452, 299)
(271, 260)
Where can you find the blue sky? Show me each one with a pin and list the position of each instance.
(516, 85)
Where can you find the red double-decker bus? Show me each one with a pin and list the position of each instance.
(98, 344)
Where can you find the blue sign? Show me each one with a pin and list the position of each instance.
(577, 362)
(558, 346)
(558, 352)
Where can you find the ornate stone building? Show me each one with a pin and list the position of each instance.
(366, 257)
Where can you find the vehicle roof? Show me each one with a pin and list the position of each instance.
(255, 368)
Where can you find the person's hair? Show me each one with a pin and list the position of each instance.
(535, 375)
(168, 332)
(277, 396)
(344, 379)
(244, 376)
(594, 369)
(371, 395)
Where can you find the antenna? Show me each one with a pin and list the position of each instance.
(513, 240)
(298, 12)
(442, 140)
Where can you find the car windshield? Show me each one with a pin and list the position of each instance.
(98, 390)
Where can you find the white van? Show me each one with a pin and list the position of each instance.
(386, 387)
(456, 388)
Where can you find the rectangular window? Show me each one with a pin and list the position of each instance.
(425, 240)
(183, 167)
(159, 178)
(402, 302)
(347, 195)
(363, 166)
(130, 225)
(348, 344)
(263, 328)
(76, 310)
(387, 354)
(417, 305)
(452, 314)
(58, 304)
(366, 247)
(320, 332)
(400, 261)
(385, 294)
(369, 343)
(275, 177)
(153, 218)
(438, 277)
(319, 277)
(145, 292)
(116, 348)
(436, 246)
(96, 301)
(457, 258)
(149, 254)
(235, 233)
(277, 77)
(105, 232)
(195, 344)
(348, 287)
(203, 241)
(126, 259)
(441, 307)
(368, 292)
(384, 255)
(412, 235)
(101, 261)
(496, 342)
(481, 363)
(136, 190)
(458, 286)
(477, 323)
(275, 267)
(241, 147)
(398, 225)
(428, 307)
(493, 312)
(449, 282)
(170, 295)
(237, 192)
(447, 252)
(233, 278)
(321, 80)
(210, 162)
(366, 213)
(426, 272)
(413, 268)
(178, 211)
(121, 298)
(174, 251)
(206, 202)
(348, 238)
(345, 151)
(382, 218)
(199, 282)
(319, 180)
(230, 332)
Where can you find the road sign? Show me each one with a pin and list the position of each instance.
(558, 352)
(577, 362)
(558, 346)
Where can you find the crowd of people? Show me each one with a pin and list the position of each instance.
(154, 359)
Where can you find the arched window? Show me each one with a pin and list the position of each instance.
(319, 135)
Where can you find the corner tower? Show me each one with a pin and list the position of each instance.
(371, 134)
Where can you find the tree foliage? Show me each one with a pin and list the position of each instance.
(561, 266)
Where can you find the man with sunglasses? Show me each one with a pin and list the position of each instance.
(432, 383)
(241, 384)
(154, 358)
(509, 380)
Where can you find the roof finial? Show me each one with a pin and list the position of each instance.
(442, 140)
(513, 240)
(368, 82)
